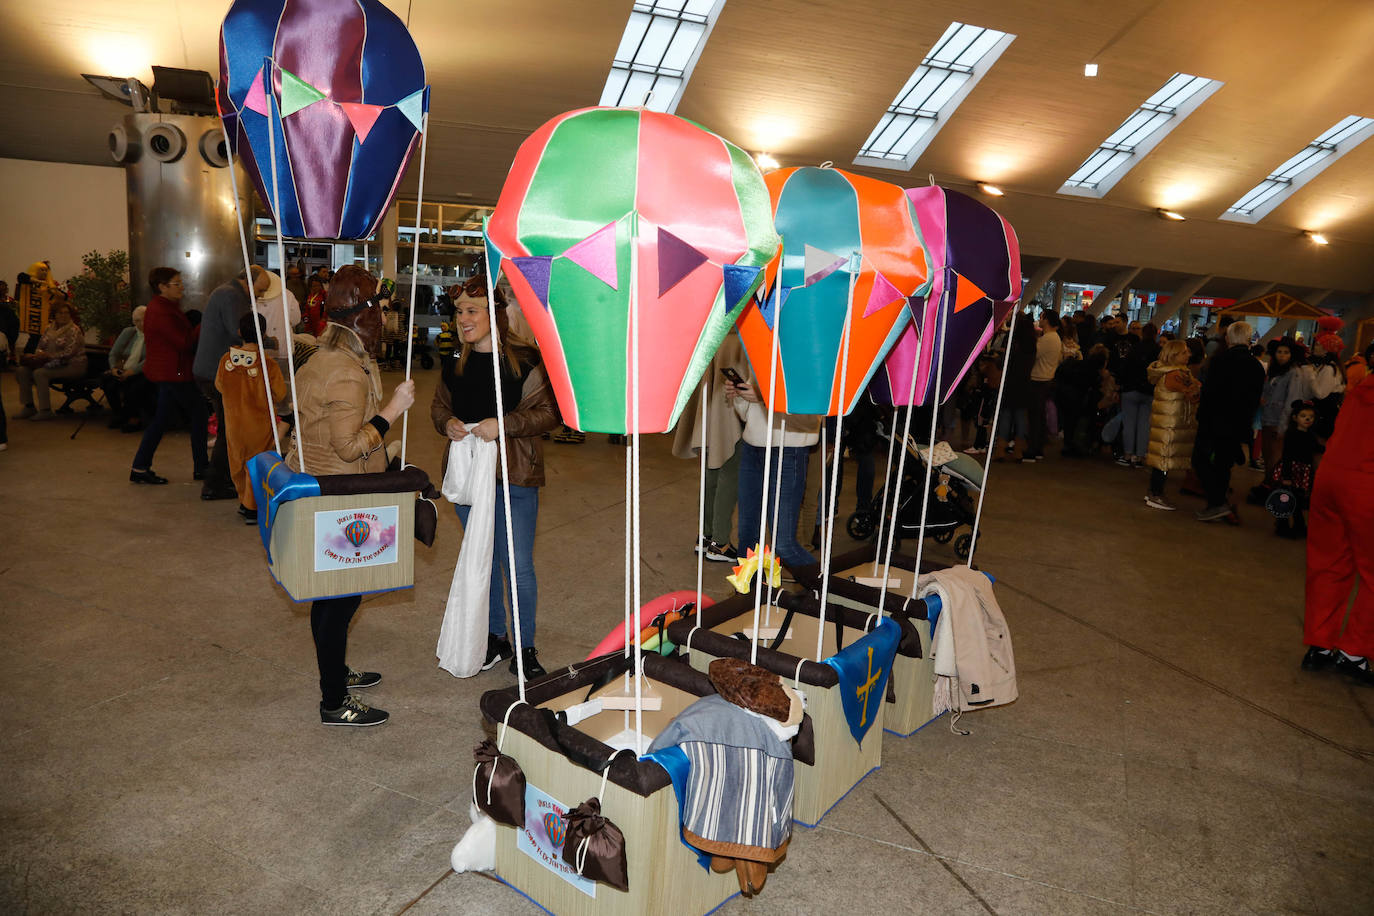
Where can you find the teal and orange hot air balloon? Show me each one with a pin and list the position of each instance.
(603, 198)
(357, 532)
(837, 229)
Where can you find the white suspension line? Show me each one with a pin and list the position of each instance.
(414, 278)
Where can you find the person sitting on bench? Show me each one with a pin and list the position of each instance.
(123, 383)
(61, 354)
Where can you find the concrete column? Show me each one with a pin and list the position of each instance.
(1286, 326)
(1179, 298)
(386, 236)
(1112, 290)
(1058, 296)
(1038, 279)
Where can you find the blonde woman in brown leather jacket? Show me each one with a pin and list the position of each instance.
(342, 427)
(465, 405)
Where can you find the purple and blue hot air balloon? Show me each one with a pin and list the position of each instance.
(341, 86)
(975, 263)
(357, 532)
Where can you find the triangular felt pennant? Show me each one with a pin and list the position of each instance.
(676, 259)
(412, 106)
(766, 307)
(596, 255)
(819, 264)
(362, 117)
(296, 93)
(256, 100)
(493, 253)
(536, 272)
(1000, 310)
(736, 281)
(966, 292)
(883, 295)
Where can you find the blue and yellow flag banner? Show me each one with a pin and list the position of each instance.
(275, 483)
(864, 667)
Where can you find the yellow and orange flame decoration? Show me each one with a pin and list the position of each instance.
(758, 556)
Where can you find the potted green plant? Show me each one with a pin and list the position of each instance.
(101, 294)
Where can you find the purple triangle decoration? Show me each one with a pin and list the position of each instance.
(883, 295)
(819, 264)
(536, 272)
(737, 281)
(676, 259)
(766, 306)
(596, 255)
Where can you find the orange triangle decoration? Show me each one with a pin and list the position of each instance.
(966, 293)
(362, 117)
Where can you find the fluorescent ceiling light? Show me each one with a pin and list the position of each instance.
(1316, 238)
(990, 189)
(1260, 201)
(661, 44)
(766, 162)
(1164, 213)
(944, 79)
(1138, 134)
(1090, 69)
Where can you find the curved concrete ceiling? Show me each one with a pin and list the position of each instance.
(806, 80)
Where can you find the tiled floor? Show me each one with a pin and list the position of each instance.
(162, 754)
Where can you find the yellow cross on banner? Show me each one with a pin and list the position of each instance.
(864, 691)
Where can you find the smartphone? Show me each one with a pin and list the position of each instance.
(732, 376)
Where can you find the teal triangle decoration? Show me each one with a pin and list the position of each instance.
(413, 107)
(493, 253)
(296, 93)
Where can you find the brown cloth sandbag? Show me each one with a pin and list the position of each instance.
(603, 855)
(498, 785)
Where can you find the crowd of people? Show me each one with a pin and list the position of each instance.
(1192, 409)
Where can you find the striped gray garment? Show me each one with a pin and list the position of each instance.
(740, 786)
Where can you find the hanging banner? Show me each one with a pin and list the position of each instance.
(864, 667)
(541, 838)
(353, 538)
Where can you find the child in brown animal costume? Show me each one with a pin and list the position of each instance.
(247, 414)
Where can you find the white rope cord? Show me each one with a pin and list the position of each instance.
(828, 541)
(887, 474)
(629, 544)
(901, 475)
(634, 449)
(497, 351)
(701, 507)
(252, 296)
(935, 397)
(414, 278)
(992, 437)
(281, 256)
(777, 501)
(767, 462)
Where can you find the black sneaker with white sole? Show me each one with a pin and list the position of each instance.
(353, 712)
(721, 553)
(529, 657)
(498, 648)
(360, 679)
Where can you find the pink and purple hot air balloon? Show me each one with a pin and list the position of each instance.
(341, 87)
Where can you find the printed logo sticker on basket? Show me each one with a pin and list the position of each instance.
(354, 538)
(543, 834)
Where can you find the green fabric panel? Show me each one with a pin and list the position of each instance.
(585, 179)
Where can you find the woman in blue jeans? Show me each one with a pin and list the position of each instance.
(791, 450)
(465, 405)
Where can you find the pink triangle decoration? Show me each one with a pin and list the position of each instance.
(362, 117)
(883, 294)
(256, 100)
(596, 255)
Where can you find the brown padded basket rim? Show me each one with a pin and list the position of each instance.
(855, 619)
(817, 674)
(810, 577)
(641, 777)
(406, 481)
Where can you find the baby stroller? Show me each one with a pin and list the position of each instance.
(955, 483)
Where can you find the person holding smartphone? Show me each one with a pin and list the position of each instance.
(723, 429)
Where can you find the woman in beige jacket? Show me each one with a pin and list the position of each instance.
(342, 427)
(1173, 418)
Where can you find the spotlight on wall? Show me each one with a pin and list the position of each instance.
(123, 89)
(990, 189)
(1090, 69)
(766, 162)
(1316, 238)
(1165, 213)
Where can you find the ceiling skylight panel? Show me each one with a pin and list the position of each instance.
(1142, 130)
(944, 79)
(656, 54)
(1260, 201)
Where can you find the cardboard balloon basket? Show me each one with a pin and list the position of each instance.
(840, 762)
(563, 765)
(356, 537)
(855, 585)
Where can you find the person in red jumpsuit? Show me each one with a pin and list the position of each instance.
(1340, 545)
